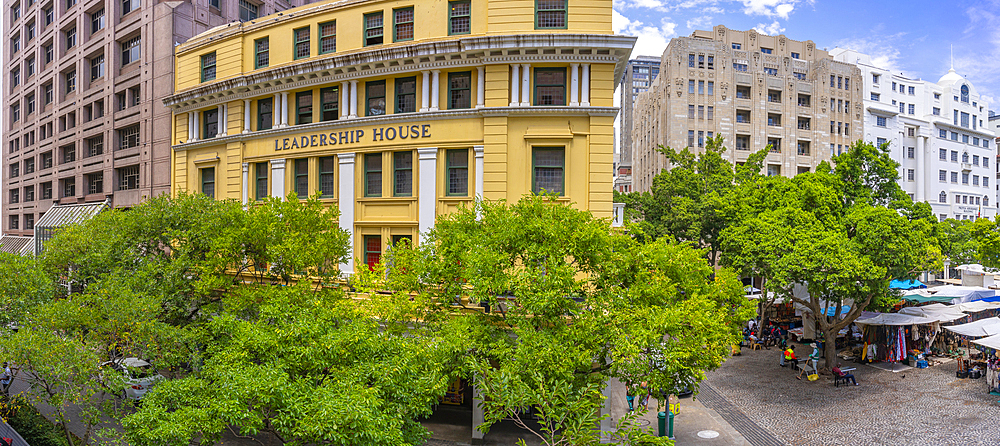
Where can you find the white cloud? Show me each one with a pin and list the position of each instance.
(772, 30)
(703, 22)
(881, 48)
(652, 39)
(769, 8)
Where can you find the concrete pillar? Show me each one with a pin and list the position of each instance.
(607, 424)
(480, 188)
(246, 184)
(480, 87)
(276, 111)
(427, 192)
(346, 203)
(921, 180)
(515, 84)
(435, 89)
(223, 120)
(278, 178)
(574, 84)
(425, 92)
(525, 85)
(354, 100)
(192, 127)
(284, 109)
(345, 91)
(585, 86)
(477, 415)
(246, 116)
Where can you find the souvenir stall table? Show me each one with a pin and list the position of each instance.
(890, 337)
(991, 363)
(977, 365)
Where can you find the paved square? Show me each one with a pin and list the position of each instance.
(913, 407)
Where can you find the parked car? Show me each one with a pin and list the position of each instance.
(134, 377)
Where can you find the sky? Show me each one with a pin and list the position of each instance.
(912, 37)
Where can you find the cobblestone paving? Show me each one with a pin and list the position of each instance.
(756, 435)
(914, 407)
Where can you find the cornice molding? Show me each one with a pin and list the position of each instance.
(401, 117)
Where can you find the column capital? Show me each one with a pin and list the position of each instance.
(346, 158)
(427, 153)
(246, 167)
(278, 163)
(479, 151)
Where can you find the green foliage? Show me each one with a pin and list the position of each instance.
(572, 305)
(23, 287)
(34, 428)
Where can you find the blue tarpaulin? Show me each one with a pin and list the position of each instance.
(830, 311)
(906, 284)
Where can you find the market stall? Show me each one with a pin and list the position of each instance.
(890, 337)
(991, 364)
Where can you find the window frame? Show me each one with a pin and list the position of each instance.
(365, 28)
(536, 83)
(368, 97)
(322, 104)
(395, 24)
(127, 45)
(369, 171)
(396, 169)
(565, 14)
(297, 175)
(257, 52)
(205, 123)
(452, 17)
(208, 177)
(368, 253)
(261, 122)
(208, 61)
(296, 42)
(534, 166)
(323, 37)
(450, 169)
(298, 107)
(332, 172)
(451, 76)
(261, 172)
(396, 84)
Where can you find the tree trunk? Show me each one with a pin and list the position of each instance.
(830, 349)
(69, 435)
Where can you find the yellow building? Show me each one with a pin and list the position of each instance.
(399, 111)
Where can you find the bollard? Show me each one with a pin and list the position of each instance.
(661, 421)
(670, 430)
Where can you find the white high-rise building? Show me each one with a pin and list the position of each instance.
(938, 133)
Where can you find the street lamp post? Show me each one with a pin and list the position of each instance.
(947, 268)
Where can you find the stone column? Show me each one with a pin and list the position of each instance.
(354, 100)
(480, 87)
(284, 109)
(345, 90)
(435, 89)
(480, 188)
(427, 192)
(515, 84)
(246, 116)
(223, 120)
(276, 111)
(477, 415)
(525, 85)
(246, 184)
(921, 179)
(574, 84)
(196, 121)
(585, 86)
(346, 204)
(278, 178)
(192, 127)
(425, 92)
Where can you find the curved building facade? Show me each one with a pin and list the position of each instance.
(400, 111)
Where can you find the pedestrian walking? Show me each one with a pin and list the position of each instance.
(6, 379)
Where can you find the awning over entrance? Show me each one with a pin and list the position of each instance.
(17, 245)
(62, 215)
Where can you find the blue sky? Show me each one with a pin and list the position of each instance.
(912, 37)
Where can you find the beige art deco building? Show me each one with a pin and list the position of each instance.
(754, 90)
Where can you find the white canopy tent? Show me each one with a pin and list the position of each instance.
(983, 327)
(939, 314)
(962, 294)
(990, 342)
(894, 319)
(977, 306)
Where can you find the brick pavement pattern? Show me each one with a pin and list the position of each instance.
(913, 407)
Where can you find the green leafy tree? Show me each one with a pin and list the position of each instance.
(571, 305)
(24, 286)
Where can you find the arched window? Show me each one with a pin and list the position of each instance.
(965, 93)
(943, 197)
(965, 157)
(986, 201)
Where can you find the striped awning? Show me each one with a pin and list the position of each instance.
(66, 214)
(16, 244)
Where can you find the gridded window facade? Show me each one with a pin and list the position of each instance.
(248, 10)
(304, 107)
(302, 42)
(130, 50)
(458, 172)
(329, 103)
(373, 28)
(208, 67)
(262, 55)
(128, 177)
(301, 180)
(128, 137)
(375, 98)
(550, 86)
(327, 165)
(95, 145)
(260, 180)
(95, 183)
(208, 181)
(373, 175)
(406, 95)
(459, 90)
(327, 37)
(402, 21)
(402, 166)
(550, 14)
(460, 17)
(548, 166)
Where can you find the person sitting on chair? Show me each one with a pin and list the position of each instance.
(844, 376)
(790, 357)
